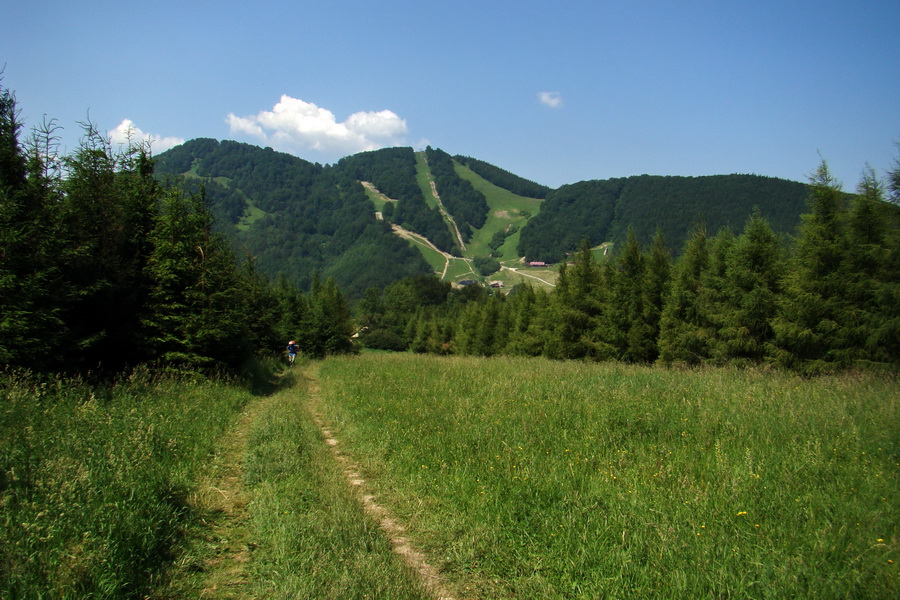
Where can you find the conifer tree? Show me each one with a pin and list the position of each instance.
(809, 326)
(327, 327)
(576, 307)
(31, 328)
(637, 342)
(196, 315)
(750, 298)
(656, 289)
(685, 329)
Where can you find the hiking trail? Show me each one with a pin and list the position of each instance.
(395, 531)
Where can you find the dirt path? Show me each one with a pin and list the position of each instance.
(524, 274)
(447, 216)
(393, 529)
(224, 498)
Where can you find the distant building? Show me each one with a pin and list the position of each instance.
(497, 284)
(537, 263)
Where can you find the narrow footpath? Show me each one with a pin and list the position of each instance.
(223, 496)
(395, 531)
(217, 564)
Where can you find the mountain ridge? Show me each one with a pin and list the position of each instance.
(301, 220)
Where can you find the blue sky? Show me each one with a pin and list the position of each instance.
(557, 92)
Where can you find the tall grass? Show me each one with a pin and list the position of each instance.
(539, 479)
(313, 538)
(94, 482)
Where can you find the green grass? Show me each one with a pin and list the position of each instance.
(539, 479)
(314, 540)
(94, 483)
(423, 178)
(505, 208)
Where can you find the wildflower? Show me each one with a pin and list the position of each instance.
(743, 512)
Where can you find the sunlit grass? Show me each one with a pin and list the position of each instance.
(94, 482)
(314, 540)
(540, 479)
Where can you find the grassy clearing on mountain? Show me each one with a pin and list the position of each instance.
(506, 208)
(423, 178)
(540, 479)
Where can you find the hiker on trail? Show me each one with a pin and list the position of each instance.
(292, 349)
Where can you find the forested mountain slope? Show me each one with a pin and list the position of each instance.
(299, 218)
(603, 210)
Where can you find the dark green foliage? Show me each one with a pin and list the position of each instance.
(485, 265)
(393, 172)
(571, 214)
(728, 300)
(467, 205)
(30, 323)
(504, 179)
(751, 287)
(106, 268)
(197, 312)
(685, 330)
(839, 302)
(603, 210)
(317, 219)
(387, 318)
(326, 327)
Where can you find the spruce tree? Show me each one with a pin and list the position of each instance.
(685, 330)
(656, 289)
(750, 299)
(813, 313)
(31, 327)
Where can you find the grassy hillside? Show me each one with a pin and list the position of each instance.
(506, 209)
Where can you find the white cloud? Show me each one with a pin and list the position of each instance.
(127, 132)
(551, 99)
(294, 124)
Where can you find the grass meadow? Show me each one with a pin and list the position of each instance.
(312, 537)
(94, 484)
(525, 478)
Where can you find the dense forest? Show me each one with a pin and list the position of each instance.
(829, 300)
(393, 172)
(103, 268)
(603, 210)
(309, 219)
(503, 178)
(216, 251)
(466, 205)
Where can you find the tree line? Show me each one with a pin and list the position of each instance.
(103, 267)
(603, 210)
(829, 300)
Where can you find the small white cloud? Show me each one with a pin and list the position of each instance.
(129, 133)
(551, 99)
(294, 124)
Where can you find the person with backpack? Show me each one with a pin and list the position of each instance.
(292, 350)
